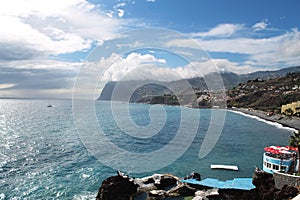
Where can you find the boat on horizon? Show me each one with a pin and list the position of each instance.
(49, 104)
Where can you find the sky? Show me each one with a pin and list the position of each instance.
(48, 47)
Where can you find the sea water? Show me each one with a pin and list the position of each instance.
(43, 156)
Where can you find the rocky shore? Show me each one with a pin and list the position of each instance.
(168, 186)
(291, 122)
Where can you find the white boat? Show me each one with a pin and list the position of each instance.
(49, 104)
(227, 167)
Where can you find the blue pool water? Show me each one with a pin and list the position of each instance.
(43, 156)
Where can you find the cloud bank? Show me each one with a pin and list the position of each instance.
(275, 51)
(31, 29)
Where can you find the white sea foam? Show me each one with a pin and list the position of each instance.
(3, 161)
(86, 196)
(2, 196)
(277, 125)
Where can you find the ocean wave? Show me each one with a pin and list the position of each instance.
(276, 124)
(2, 196)
(85, 196)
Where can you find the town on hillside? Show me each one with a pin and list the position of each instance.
(278, 95)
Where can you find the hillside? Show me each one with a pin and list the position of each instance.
(144, 91)
(265, 94)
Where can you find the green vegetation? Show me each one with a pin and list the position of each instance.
(188, 198)
(167, 99)
(295, 142)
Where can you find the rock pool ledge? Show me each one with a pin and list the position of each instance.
(168, 186)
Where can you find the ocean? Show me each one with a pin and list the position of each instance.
(57, 153)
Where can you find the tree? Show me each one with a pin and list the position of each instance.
(295, 142)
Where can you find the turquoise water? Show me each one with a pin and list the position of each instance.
(42, 155)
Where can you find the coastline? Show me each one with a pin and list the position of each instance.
(168, 186)
(292, 123)
(285, 121)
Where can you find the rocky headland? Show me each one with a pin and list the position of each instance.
(168, 186)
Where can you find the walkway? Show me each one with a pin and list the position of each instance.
(237, 183)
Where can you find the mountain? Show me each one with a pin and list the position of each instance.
(265, 75)
(185, 89)
(132, 91)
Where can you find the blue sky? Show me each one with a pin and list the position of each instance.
(44, 45)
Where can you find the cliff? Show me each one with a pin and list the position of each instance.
(261, 90)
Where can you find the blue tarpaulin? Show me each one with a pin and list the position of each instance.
(236, 183)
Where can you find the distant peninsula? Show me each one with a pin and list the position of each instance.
(262, 90)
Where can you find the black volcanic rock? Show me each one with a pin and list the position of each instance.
(122, 187)
(286, 192)
(265, 185)
(159, 186)
(266, 190)
(194, 175)
(117, 187)
(165, 182)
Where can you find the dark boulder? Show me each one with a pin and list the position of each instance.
(286, 192)
(263, 180)
(265, 185)
(117, 187)
(266, 190)
(166, 182)
(194, 175)
(229, 194)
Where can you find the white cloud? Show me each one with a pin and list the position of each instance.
(238, 68)
(120, 68)
(222, 30)
(260, 25)
(290, 47)
(33, 28)
(241, 45)
(273, 51)
(5, 86)
(38, 78)
(286, 53)
(146, 67)
(120, 5)
(42, 64)
(121, 12)
(232, 45)
(152, 1)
